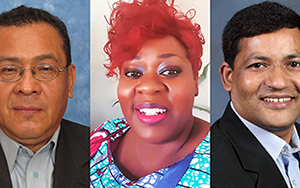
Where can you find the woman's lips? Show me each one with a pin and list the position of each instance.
(150, 113)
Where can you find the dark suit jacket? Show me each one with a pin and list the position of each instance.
(71, 158)
(238, 160)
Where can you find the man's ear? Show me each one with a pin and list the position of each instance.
(71, 79)
(226, 76)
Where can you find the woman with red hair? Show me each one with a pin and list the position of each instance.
(155, 50)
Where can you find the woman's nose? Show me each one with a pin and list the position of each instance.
(151, 84)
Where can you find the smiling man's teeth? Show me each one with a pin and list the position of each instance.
(152, 111)
(277, 99)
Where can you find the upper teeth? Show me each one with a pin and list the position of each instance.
(277, 99)
(152, 111)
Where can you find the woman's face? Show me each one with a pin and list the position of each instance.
(156, 91)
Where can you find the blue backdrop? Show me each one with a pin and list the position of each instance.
(221, 12)
(76, 15)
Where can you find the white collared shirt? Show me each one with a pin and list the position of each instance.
(280, 151)
(29, 170)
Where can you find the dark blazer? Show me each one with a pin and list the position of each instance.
(238, 160)
(71, 158)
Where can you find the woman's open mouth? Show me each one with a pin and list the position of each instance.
(151, 112)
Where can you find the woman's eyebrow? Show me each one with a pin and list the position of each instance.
(137, 58)
(166, 55)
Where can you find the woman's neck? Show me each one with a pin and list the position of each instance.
(136, 157)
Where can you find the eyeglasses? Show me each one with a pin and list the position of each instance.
(43, 72)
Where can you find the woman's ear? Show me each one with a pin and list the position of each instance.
(226, 76)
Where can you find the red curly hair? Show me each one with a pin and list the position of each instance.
(132, 24)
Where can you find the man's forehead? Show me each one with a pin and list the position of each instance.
(42, 24)
(46, 48)
(262, 43)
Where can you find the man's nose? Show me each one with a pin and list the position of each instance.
(27, 84)
(278, 78)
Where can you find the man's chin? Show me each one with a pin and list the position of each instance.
(277, 127)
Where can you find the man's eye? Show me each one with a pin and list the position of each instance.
(45, 69)
(256, 65)
(294, 64)
(134, 74)
(9, 70)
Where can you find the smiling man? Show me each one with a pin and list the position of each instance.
(38, 148)
(256, 142)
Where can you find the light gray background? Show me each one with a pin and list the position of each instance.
(221, 12)
(76, 15)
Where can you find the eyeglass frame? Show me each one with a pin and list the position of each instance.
(33, 73)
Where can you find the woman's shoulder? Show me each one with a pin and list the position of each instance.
(106, 132)
(109, 127)
(198, 172)
(204, 146)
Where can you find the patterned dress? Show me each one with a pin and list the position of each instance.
(104, 173)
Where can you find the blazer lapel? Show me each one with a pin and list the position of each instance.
(5, 180)
(254, 158)
(298, 128)
(72, 158)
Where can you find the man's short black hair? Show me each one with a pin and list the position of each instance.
(254, 20)
(23, 15)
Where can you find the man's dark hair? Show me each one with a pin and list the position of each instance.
(23, 15)
(254, 20)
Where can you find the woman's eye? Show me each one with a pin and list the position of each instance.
(134, 74)
(170, 71)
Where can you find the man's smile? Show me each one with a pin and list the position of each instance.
(269, 99)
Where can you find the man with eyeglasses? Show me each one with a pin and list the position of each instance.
(38, 148)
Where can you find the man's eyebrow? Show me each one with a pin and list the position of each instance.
(45, 56)
(12, 59)
(292, 56)
(257, 57)
(37, 58)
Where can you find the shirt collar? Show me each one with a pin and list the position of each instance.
(271, 142)
(11, 147)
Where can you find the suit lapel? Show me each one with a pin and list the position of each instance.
(5, 180)
(72, 159)
(254, 158)
(298, 128)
